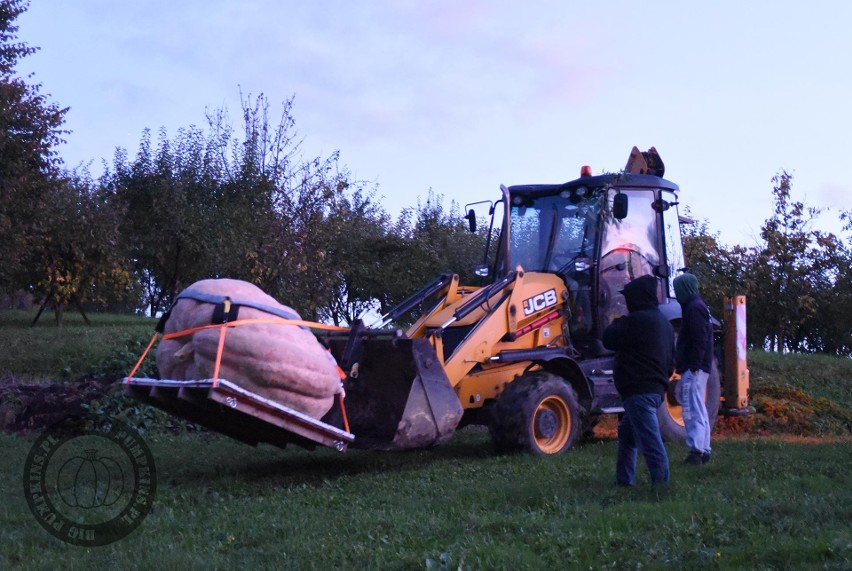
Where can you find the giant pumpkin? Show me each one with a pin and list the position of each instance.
(284, 363)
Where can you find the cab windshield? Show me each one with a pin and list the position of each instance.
(552, 234)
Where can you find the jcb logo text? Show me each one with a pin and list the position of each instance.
(539, 302)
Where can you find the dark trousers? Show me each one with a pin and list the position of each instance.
(639, 429)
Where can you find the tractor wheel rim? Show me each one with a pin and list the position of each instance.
(675, 412)
(557, 419)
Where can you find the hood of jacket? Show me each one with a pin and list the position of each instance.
(685, 287)
(641, 293)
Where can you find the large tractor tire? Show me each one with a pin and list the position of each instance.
(670, 414)
(537, 413)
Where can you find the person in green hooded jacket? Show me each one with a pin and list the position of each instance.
(693, 360)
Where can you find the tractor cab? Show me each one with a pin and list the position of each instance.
(597, 233)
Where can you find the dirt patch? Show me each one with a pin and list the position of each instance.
(27, 406)
(797, 418)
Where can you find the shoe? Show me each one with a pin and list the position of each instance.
(705, 457)
(696, 459)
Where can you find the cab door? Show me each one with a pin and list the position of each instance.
(630, 248)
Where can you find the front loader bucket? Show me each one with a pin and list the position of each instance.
(399, 397)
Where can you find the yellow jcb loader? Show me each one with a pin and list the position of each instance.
(521, 354)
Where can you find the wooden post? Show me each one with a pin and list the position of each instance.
(736, 380)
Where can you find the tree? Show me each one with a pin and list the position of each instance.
(788, 272)
(797, 281)
(168, 199)
(214, 204)
(829, 328)
(721, 270)
(443, 239)
(76, 259)
(30, 130)
(426, 241)
(363, 244)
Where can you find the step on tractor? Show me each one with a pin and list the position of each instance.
(521, 352)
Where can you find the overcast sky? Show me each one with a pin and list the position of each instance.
(461, 96)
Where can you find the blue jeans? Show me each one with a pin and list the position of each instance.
(639, 429)
(695, 418)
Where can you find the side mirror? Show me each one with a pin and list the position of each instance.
(661, 205)
(471, 220)
(619, 206)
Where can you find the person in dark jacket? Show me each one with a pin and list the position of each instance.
(643, 342)
(693, 360)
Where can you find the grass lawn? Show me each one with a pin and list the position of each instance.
(777, 494)
(66, 353)
(760, 504)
